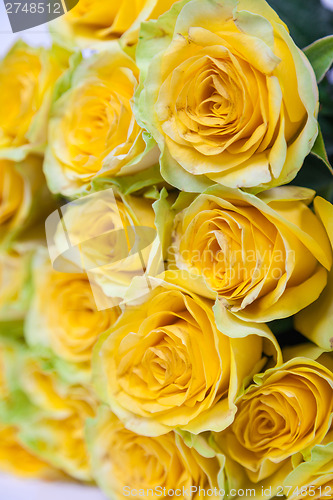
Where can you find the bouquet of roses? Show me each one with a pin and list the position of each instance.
(170, 333)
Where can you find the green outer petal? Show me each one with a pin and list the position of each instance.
(159, 31)
(64, 83)
(177, 176)
(131, 183)
(199, 442)
(319, 462)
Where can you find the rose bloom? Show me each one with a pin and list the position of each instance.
(16, 459)
(311, 474)
(262, 257)
(27, 78)
(166, 365)
(92, 21)
(114, 235)
(288, 409)
(24, 198)
(312, 478)
(124, 461)
(315, 322)
(92, 129)
(63, 314)
(55, 428)
(228, 96)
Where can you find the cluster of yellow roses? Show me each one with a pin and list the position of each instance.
(135, 353)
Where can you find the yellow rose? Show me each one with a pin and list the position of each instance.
(262, 257)
(311, 474)
(227, 95)
(24, 201)
(54, 431)
(112, 237)
(63, 314)
(92, 130)
(27, 78)
(312, 478)
(24, 198)
(287, 410)
(315, 322)
(165, 365)
(16, 459)
(123, 461)
(92, 21)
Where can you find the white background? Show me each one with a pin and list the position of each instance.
(23, 489)
(34, 36)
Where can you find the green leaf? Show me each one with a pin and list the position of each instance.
(320, 55)
(319, 150)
